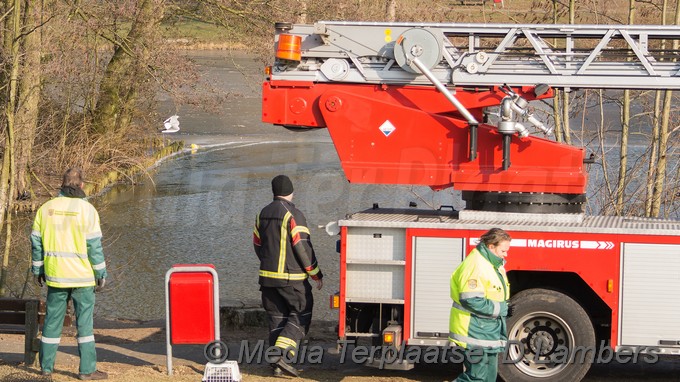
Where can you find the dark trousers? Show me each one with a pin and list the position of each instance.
(289, 310)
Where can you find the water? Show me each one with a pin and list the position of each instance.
(200, 208)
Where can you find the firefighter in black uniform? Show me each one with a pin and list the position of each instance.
(282, 243)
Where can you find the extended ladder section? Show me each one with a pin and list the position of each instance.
(464, 55)
(405, 103)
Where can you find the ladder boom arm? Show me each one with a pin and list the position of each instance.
(404, 102)
(563, 56)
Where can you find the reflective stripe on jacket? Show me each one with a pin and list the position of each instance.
(66, 243)
(282, 243)
(479, 290)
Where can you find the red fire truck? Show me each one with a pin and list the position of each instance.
(409, 103)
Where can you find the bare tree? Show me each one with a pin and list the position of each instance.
(625, 130)
(609, 194)
(11, 46)
(302, 13)
(663, 137)
(655, 135)
(126, 70)
(29, 95)
(565, 93)
(558, 94)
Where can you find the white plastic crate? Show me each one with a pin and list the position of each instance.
(222, 372)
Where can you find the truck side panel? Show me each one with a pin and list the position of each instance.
(406, 266)
(649, 283)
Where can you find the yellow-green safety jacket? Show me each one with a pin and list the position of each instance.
(66, 243)
(479, 290)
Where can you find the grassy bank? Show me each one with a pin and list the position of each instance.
(127, 167)
(198, 35)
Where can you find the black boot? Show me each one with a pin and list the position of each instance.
(287, 368)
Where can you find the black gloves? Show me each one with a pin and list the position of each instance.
(511, 309)
(39, 279)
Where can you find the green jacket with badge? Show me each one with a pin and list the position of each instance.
(479, 290)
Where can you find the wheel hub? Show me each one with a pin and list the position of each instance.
(542, 341)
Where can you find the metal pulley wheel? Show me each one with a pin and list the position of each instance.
(335, 69)
(418, 43)
(481, 57)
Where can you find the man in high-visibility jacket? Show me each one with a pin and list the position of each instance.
(283, 245)
(480, 290)
(67, 255)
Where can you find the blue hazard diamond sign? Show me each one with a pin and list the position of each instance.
(387, 128)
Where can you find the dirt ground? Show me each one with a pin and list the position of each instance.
(136, 351)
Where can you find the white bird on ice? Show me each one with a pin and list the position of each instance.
(171, 125)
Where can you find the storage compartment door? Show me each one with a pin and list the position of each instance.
(650, 312)
(375, 265)
(434, 260)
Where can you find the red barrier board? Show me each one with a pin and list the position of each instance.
(192, 312)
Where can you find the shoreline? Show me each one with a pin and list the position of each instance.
(187, 44)
(100, 183)
(114, 177)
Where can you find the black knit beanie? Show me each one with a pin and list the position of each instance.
(282, 186)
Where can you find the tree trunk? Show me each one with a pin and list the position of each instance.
(557, 112)
(126, 69)
(391, 10)
(654, 139)
(663, 146)
(13, 30)
(302, 14)
(565, 94)
(663, 136)
(29, 96)
(623, 154)
(565, 116)
(625, 130)
(4, 177)
(602, 138)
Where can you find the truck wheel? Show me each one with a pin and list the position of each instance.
(543, 333)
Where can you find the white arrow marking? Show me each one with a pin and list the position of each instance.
(589, 244)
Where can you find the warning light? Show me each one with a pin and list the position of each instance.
(289, 47)
(335, 301)
(268, 70)
(610, 286)
(388, 338)
(391, 335)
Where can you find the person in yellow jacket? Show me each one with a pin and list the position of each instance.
(67, 254)
(480, 290)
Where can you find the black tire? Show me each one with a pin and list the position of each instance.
(553, 325)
